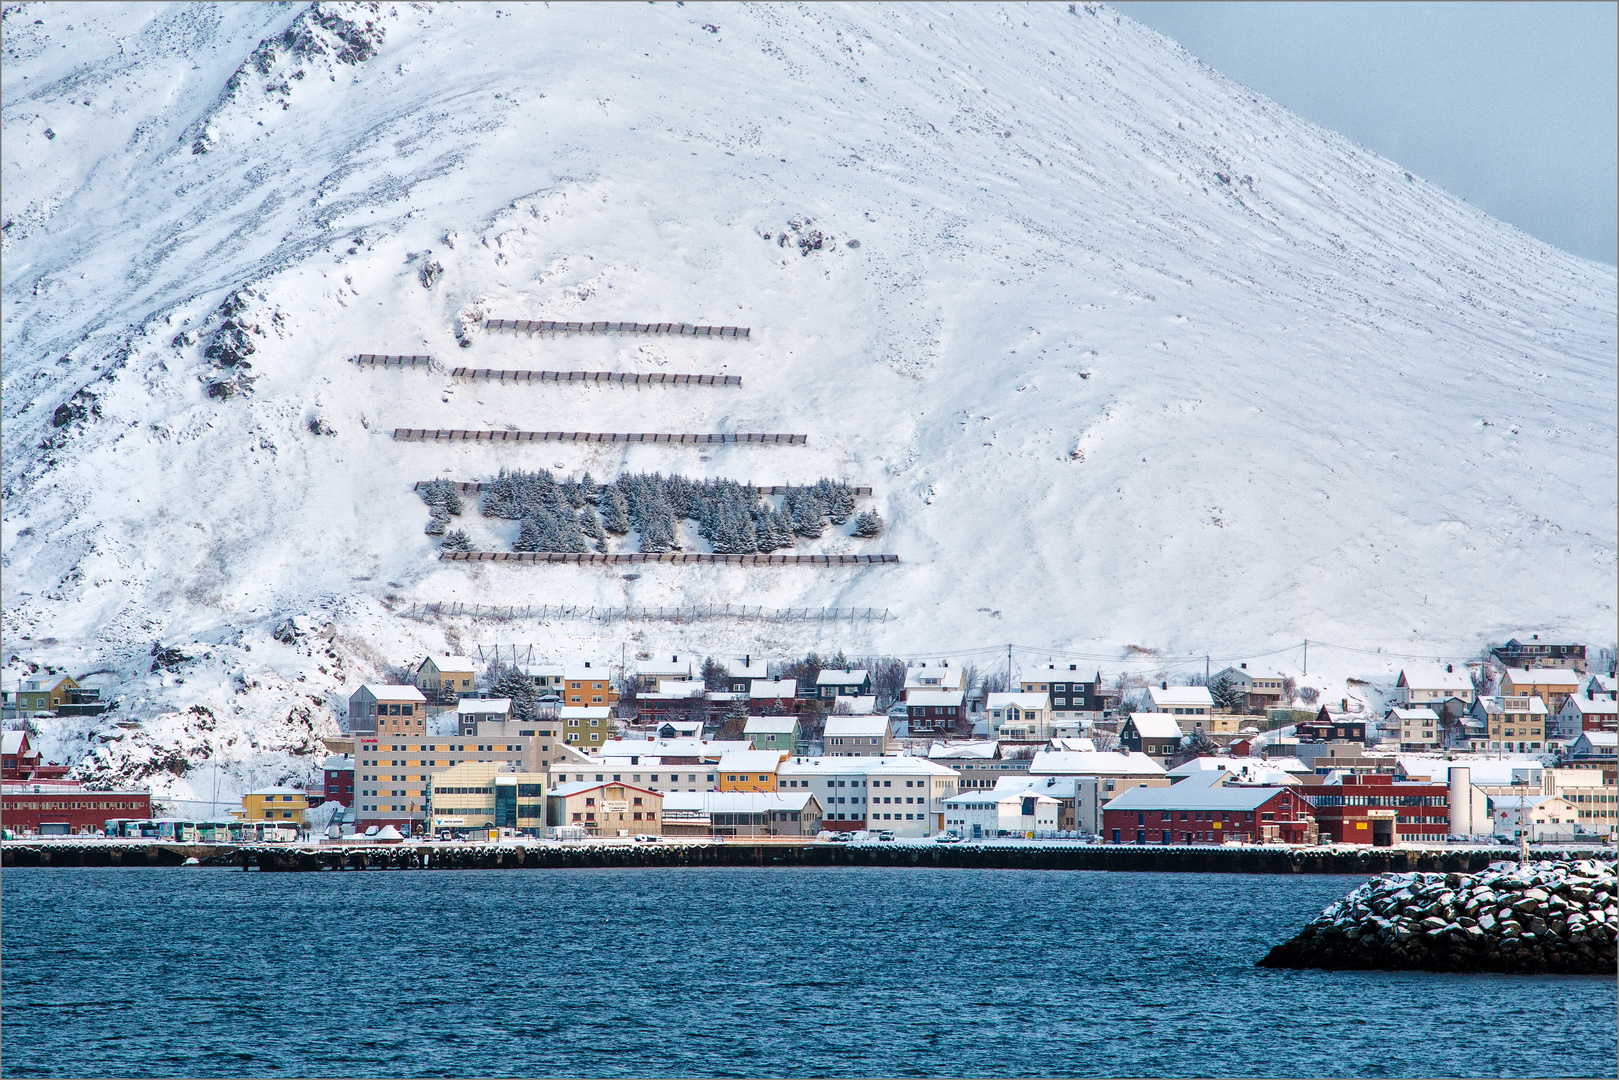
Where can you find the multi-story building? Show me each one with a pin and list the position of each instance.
(392, 772)
(661, 773)
(1156, 735)
(1537, 653)
(1377, 809)
(1520, 725)
(1190, 705)
(856, 736)
(604, 808)
(1592, 793)
(934, 712)
(743, 672)
(940, 676)
(472, 711)
(1551, 685)
(1259, 691)
(979, 814)
(44, 694)
(1072, 698)
(338, 779)
(741, 813)
(1580, 713)
(902, 794)
(832, 683)
(646, 674)
(773, 733)
(1427, 686)
(749, 770)
(387, 708)
(1419, 729)
(588, 685)
(585, 726)
(273, 804)
(486, 795)
(1207, 809)
(64, 808)
(978, 764)
(1019, 717)
(443, 679)
(1115, 772)
(779, 696)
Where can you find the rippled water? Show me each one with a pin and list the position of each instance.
(736, 972)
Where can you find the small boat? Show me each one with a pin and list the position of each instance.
(192, 861)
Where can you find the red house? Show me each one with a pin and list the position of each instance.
(20, 761)
(58, 808)
(339, 788)
(1380, 810)
(1204, 809)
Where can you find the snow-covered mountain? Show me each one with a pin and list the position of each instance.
(1130, 355)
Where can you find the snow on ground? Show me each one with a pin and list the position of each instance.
(1131, 355)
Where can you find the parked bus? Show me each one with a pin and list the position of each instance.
(217, 832)
(275, 832)
(118, 828)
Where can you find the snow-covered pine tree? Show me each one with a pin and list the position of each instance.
(456, 541)
(588, 488)
(615, 511)
(868, 525)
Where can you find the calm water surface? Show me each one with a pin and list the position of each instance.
(736, 972)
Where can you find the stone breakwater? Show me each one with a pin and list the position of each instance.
(1557, 918)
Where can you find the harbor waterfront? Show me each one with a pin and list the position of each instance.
(737, 971)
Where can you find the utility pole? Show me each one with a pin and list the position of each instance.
(1009, 668)
(1307, 656)
(1523, 822)
(1205, 669)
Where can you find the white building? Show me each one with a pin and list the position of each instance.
(1020, 717)
(1428, 686)
(1418, 729)
(904, 794)
(1192, 702)
(470, 711)
(979, 814)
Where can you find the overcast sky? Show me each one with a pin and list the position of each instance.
(1513, 107)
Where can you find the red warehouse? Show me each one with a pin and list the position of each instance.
(64, 809)
(1204, 809)
(1379, 810)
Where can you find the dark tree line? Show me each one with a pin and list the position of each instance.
(578, 516)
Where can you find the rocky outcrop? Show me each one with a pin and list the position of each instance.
(1554, 917)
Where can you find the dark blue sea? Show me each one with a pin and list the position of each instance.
(736, 972)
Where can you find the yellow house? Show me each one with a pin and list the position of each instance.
(45, 694)
(749, 770)
(448, 676)
(588, 686)
(274, 804)
(1520, 724)
(1552, 685)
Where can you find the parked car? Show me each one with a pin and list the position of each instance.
(885, 835)
(647, 838)
(841, 838)
(947, 838)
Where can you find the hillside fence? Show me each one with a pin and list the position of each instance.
(680, 613)
(462, 435)
(655, 378)
(472, 487)
(389, 360)
(595, 558)
(548, 326)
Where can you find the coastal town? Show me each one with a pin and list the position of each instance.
(1516, 746)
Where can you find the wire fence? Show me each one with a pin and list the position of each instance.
(653, 378)
(595, 558)
(463, 435)
(679, 613)
(548, 326)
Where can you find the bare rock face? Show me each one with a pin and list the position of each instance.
(1548, 917)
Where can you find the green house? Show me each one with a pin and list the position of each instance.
(773, 733)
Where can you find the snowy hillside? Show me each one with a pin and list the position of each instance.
(1130, 355)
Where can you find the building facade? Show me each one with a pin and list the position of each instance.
(1379, 810)
(58, 808)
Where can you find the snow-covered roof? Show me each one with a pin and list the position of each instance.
(859, 727)
(450, 663)
(276, 791)
(1058, 787)
(856, 705)
(770, 725)
(750, 761)
(1195, 794)
(781, 688)
(338, 761)
(871, 766)
(1102, 763)
(1584, 705)
(579, 786)
(11, 741)
(834, 677)
(935, 677)
(1077, 744)
(1022, 701)
(680, 688)
(667, 669)
(1156, 725)
(963, 751)
(1483, 771)
(1413, 714)
(390, 692)
(1239, 770)
(1433, 677)
(946, 698)
(593, 670)
(735, 802)
(584, 712)
(1180, 697)
(747, 667)
(996, 795)
(1605, 684)
(712, 749)
(1563, 680)
(1600, 738)
(500, 705)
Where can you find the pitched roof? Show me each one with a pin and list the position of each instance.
(868, 765)
(947, 698)
(11, 742)
(1584, 705)
(1424, 713)
(961, 751)
(1433, 677)
(584, 712)
(834, 677)
(1101, 763)
(581, 786)
(751, 761)
(781, 688)
(1155, 725)
(752, 667)
(450, 663)
(736, 802)
(1022, 701)
(1181, 695)
(391, 692)
(1191, 795)
(1549, 677)
(860, 727)
(484, 705)
(770, 725)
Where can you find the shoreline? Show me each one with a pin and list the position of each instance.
(1123, 858)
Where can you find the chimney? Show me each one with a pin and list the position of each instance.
(1535, 637)
(1245, 665)
(1449, 668)
(1164, 685)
